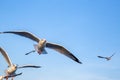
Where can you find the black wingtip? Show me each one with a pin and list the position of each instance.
(79, 62)
(37, 66)
(76, 59)
(26, 53)
(98, 56)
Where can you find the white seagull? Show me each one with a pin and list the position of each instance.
(107, 58)
(10, 71)
(42, 43)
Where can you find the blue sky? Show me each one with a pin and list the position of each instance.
(87, 28)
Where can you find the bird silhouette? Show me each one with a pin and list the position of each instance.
(107, 58)
(10, 71)
(42, 44)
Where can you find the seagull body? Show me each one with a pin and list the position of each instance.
(10, 71)
(107, 58)
(42, 44)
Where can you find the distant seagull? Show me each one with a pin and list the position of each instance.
(107, 58)
(42, 43)
(10, 71)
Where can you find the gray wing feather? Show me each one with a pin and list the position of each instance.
(24, 34)
(6, 56)
(62, 50)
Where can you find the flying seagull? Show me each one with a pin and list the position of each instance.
(107, 58)
(42, 44)
(10, 71)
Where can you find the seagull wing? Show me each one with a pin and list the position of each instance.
(29, 66)
(62, 50)
(101, 57)
(23, 33)
(6, 56)
(14, 75)
(112, 54)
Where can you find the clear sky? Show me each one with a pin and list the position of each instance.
(87, 28)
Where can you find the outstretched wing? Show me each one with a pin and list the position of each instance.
(62, 50)
(29, 66)
(6, 56)
(101, 57)
(14, 75)
(112, 54)
(23, 33)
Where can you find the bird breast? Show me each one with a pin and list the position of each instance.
(41, 44)
(11, 70)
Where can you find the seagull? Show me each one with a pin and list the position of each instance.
(107, 58)
(42, 44)
(10, 71)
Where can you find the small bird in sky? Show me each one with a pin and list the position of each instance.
(42, 44)
(107, 58)
(10, 71)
